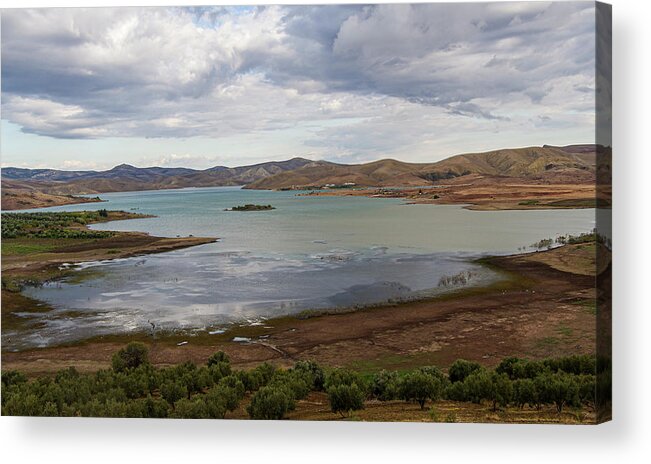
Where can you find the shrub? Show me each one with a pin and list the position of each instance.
(559, 389)
(233, 382)
(296, 382)
(500, 391)
(524, 392)
(219, 370)
(477, 386)
(252, 380)
(194, 379)
(10, 378)
(315, 371)
(461, 369)
(587, 389)
(577, 364)
(155, 408)
(456, 392)
(130, 357)
(385, 385)
(435, 372)
(270, 403)
(219, 357)
(133, 386)
(173, 391)
(342, 376)
(221, 399)
(345, 398)
(266, 372)
(507, 366)
(190, 409)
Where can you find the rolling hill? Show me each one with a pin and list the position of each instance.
(542, 163)
(574, 164)
(130, 178)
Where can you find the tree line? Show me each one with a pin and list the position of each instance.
(133, 387)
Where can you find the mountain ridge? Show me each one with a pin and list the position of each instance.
(551, 164)
(545, 163)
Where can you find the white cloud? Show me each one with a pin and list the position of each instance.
(394, 76)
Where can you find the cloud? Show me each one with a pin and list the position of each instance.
(219, 72)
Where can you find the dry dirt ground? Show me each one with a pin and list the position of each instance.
(489, 193)
(25, 199)
(544, 307)
(316, 407)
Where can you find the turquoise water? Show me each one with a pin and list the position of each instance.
(309, 253)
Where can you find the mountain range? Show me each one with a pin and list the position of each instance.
(129, 178)
(548, 164)
(537, 163)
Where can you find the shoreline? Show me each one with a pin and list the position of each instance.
(63, 268)
(484, 193)
(13, 200)
(59, 257)
(474, 192)
(539, 311)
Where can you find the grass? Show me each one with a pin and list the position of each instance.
(581, 203)
(20, 247)
(589, 305)
(565, 331)
(547, 342)
(394, 362)
(529, 203)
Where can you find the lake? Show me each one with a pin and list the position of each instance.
(309, 253)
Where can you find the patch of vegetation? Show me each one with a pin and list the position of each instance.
(544, 243)
(14, 247)
(60, 225)
(578, 203)
(135, 388)
(590, 305)
(462, 278)
(565, 331)
(250, 207)
(529, 203)
(441, 175)
(547, 342)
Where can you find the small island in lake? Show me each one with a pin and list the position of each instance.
(250, 207)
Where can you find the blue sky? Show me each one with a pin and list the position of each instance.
(199, 87)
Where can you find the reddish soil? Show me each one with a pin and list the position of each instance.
(490, 193)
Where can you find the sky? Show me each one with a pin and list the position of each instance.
(205, 86)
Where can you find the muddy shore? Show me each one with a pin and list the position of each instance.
(543, 308)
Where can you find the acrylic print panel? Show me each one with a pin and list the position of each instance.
(342, 212)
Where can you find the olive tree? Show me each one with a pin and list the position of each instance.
(345, 398)
(385, 385)
(460, 369)
(270, 403)
(130, 357)
(419, 386)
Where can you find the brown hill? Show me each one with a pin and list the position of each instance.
(15, 195)
(124, 177)
(547, 164)
(550, 164)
